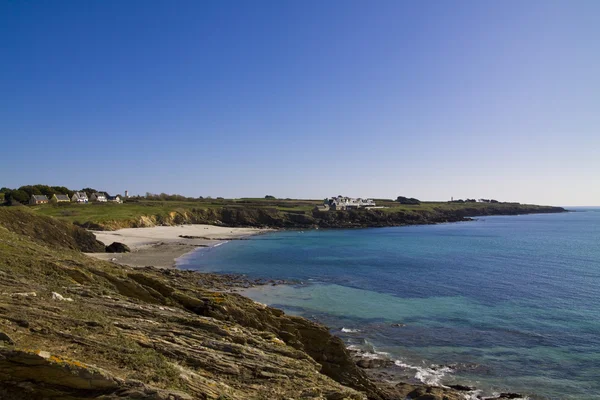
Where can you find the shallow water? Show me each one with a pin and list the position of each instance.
(501, 303)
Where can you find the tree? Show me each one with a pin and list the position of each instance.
(408, 200)
(269, 197)
(89, 191)
(30, 190)
(63, 190)
(19, 196)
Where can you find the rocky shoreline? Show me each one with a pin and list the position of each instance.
(74, 327)
(380, 369)
(274, 218)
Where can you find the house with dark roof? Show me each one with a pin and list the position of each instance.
(60, 198)
(38, 199)
(99, 197)
(114, 199)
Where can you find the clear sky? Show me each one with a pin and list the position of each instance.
(306, 99)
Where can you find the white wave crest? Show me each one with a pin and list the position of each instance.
(428, 376)
(375, 354)
(348, 330)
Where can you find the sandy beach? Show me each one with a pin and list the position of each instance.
(160, 246)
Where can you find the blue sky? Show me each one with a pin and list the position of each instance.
(307, 99)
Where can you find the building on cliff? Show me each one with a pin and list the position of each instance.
(347, 203)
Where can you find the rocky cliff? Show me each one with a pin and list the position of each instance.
(72, 328)
(277, 218)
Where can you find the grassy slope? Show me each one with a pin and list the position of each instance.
(47, 230)
(146, 325)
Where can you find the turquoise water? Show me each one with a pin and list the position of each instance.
(502, 303)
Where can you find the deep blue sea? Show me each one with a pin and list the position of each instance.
(507, 303)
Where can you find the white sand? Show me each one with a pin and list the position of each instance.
(137, 238)
(160, 246)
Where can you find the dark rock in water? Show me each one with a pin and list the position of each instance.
(398, 325)
(117, 247)
(461, 387)
(505, 396)
(368, 363)
(5, 338)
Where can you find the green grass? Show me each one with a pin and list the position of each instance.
(113, 216)
(106, 212)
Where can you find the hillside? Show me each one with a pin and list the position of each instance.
(274, 213)
(72, 327)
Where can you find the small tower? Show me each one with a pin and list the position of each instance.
(127, 194)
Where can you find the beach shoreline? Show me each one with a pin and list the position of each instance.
(161, 246)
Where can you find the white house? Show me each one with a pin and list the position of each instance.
(99, 197)
(114, 199)
(347, 203)
(80, 197)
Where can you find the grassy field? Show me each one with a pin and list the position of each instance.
(103, 213)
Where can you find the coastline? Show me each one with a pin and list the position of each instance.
(380, 368)
(161, 246)
(392, 375)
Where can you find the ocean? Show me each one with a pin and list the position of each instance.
(502, 303)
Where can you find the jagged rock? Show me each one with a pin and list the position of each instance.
(5, 338)
(40, 375)
(461, 387)
(373, 363)
(117, 247)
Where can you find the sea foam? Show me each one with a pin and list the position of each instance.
(428, 376)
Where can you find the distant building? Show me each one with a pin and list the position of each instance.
(80, 197)
(60, 198)
(38, 199)
(127, 194)
(114, 199)
(99, 197)
(347, 203)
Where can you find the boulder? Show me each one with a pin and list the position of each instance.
(60, 297)
(5, 338)
(368, 363)
(463, 388)
(117, 247)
